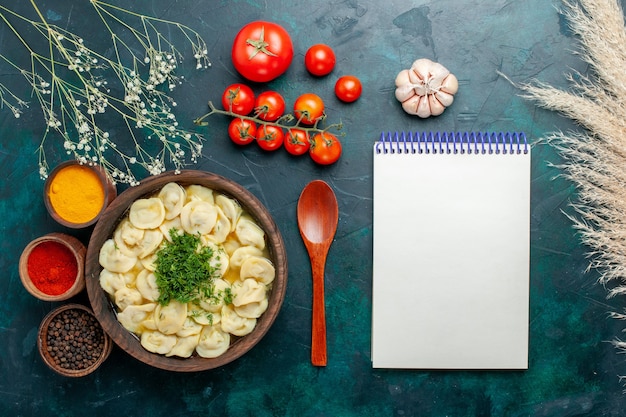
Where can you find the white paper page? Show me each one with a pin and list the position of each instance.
(451, 261)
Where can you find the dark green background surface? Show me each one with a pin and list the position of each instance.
(573, 371)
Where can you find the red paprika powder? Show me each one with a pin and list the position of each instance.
(52, 268)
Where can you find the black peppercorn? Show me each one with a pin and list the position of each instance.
(75, 340)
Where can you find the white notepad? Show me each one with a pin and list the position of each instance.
(451, 251)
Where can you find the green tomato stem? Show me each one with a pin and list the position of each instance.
(284, 122)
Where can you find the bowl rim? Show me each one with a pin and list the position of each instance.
(103, 230)
(41, 342)
(110, 193)
(77, 249)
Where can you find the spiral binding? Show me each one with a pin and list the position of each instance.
(451, 143)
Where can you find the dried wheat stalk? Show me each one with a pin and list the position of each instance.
(595, 160)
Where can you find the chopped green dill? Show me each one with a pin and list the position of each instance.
(184, 271)
(228, 296)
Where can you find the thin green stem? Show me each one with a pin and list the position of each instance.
(52, 68)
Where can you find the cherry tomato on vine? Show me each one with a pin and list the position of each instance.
(262, 51)
(308, 108)
(240, 97)
(297, 142)
(319, 59)
(348, 88)
(242, 131)
(269, 137)
(325, 148)
(269, 106)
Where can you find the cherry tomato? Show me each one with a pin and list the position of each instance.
(269, 137)
(325, 148)
(308, 108)
(240, 97)
(242, 131)
(348, 88)
(297, 142)
(319, 59)
(262, 51)
(269, 106)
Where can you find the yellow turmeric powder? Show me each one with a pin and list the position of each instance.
(76, 193)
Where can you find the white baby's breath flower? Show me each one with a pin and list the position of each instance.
(142, 104)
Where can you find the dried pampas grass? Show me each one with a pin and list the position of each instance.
(595, 160)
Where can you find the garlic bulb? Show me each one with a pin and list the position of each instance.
(426, 89)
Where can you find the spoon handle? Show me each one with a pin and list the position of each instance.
(318, 334)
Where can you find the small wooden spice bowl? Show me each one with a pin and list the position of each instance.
(72, 342)
(44, 261)
(77, 194)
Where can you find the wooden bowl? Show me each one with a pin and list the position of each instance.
(84, 357)
(77, 250)
(77, 194)
(105, 311)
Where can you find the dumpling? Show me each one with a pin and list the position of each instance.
(137, 242)
(242, 253)
(113, 281)
(258, 268)
(127, 237)
(248, 291)
(146, 284)
(151, 241)
(249, 233)
(133, 316)
(125, 297)
(231, 244)
(252, 310)
(149, 262)
(157, 342)
(198, 217)
(235, 324)
(213, 342)
(147, 213)
(199, 192)
(184, 346)
(173, 197)
(113, 259)
(230, 207)
(148, 323)
(190, 327)
(170, 318)
(222, 227)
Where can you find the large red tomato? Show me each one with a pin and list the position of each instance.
(262, 51)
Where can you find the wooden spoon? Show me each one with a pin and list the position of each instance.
(318, 214)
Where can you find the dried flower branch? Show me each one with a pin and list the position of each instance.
(12, 102)
(73, 84)
(595, 159)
